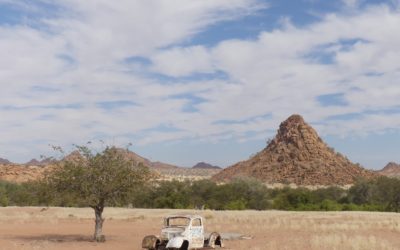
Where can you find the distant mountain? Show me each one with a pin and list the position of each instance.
(35, 169)
(155, 165)
(33, 162)
(297, 155)
(162, 165)
(203, 165)
(44, 162)
(392, 169)
(132, 156)
(5, 161)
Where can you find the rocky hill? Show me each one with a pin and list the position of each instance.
(21, 173)
(43, 162)
(131, 156)
(297, 155)
(203, 165)
(392, 169)
(34, 169)
(140, 159)
(4, 161)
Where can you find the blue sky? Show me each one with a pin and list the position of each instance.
(202, 80)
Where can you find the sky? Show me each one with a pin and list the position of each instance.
(200, 80)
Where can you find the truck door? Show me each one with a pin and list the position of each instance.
(196, 233)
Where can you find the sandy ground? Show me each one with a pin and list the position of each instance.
(71, 228)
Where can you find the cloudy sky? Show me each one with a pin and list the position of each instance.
(199, 80)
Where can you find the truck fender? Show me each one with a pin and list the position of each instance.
(175, 242)
(214, 240)
(150, 242)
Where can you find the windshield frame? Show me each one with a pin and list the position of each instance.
(167, 221)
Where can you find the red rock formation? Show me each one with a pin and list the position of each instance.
(392, 169)
(297, 155)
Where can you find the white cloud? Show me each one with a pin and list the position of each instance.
(273, 75)
(352, 3)
(57, 75)
(179, 62)
(77, 58)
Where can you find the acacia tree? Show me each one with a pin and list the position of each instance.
(95, 179)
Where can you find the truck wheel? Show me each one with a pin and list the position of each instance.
(215, 240)
(184, 246)
(150, 242)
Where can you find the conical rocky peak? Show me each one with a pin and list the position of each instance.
(293, 129)
(296, 132)
(297, 155)
(298, 141)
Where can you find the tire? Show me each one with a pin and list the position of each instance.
(184, 246)
(215, 241)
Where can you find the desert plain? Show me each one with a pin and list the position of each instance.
(71, 228)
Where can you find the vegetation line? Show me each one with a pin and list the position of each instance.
(382, 194)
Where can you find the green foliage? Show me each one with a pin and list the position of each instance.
(236, 205)
(203, 194)
(3, 197)
(381, 194)
(329, 205)
(95, 179)
(12, 194)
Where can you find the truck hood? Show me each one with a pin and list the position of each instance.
(173, 230)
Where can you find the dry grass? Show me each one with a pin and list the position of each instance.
(69, 228)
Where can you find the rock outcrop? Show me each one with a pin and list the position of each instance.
(21, 173)
(203, 165)
(35, 169)
(392, 169)
(43, 162)
(297, 155)
(140, 159)
(4, 161)
(75, 155)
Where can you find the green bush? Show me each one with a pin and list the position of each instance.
(381, 194)
(236, 205)
(329, 205)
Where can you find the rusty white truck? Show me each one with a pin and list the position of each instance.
(183, 232)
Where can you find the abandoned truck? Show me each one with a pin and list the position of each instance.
(182, 232)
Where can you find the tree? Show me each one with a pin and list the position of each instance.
(96, 179)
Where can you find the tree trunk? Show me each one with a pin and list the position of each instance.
(98, 235)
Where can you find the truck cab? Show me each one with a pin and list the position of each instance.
(186, 228)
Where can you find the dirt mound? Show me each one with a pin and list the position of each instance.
(203, 165)
(297, 155)
(392, 169)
